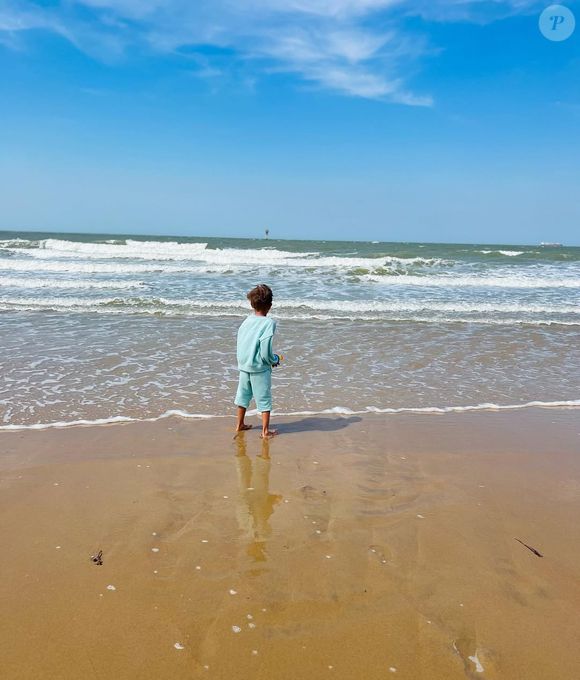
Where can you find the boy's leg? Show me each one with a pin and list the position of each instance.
(240, 424)
(266, 431)
(262, 391)
(242, 401)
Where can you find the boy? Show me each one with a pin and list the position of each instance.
(255, 360)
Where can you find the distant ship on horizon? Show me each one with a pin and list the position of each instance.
(545, 244)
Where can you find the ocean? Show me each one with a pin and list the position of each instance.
(102, 328)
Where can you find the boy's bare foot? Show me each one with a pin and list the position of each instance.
(243, 426)
(268, 434)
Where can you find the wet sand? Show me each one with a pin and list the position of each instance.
(348, 548)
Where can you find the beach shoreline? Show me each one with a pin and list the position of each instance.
(95, 328)
(354, 546)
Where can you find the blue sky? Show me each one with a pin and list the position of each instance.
(370, 119)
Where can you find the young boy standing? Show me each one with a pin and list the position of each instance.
(255, 359)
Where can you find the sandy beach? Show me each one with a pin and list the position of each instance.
(351, 216)
(347, 547)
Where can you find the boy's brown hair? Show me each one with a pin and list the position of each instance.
(260, 297)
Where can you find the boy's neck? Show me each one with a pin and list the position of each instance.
(261, 313)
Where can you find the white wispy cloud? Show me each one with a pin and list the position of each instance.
(351, 47)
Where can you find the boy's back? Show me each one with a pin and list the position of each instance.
(254, 347)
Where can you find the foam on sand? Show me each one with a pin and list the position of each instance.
(335, 410)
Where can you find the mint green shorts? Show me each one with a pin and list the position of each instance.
(258, 386)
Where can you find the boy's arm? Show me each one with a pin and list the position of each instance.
(266, 351)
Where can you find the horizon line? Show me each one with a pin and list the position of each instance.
(270, 238)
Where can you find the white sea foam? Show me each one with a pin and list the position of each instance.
(148, 250)
(62, 267)
(17, 243)
(342, 410)
(432, 319)
(61, 256)
(426, 305)
(446, 280)
(335, 410)
(206, 265)
(55, 249)
(66, 284)
(109, 421)
(507, 253)
(396, 310)
(516, 280)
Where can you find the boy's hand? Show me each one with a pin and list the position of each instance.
(279, 358)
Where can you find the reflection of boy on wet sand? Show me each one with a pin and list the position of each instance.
(256, 502)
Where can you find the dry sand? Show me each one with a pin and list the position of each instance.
(352, 548)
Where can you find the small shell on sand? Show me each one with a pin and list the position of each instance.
(178, 645)
(111, 588)
(478, 667)
(236, 629)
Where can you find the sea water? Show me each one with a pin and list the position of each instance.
(101, 327)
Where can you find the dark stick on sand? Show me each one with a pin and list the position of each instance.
(529, 547)
(97, 558)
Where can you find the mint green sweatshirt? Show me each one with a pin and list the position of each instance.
(254, 350)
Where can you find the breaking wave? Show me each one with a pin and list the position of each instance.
(173, 251)
(404, 310)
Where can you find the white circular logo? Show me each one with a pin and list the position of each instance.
(557, 23)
